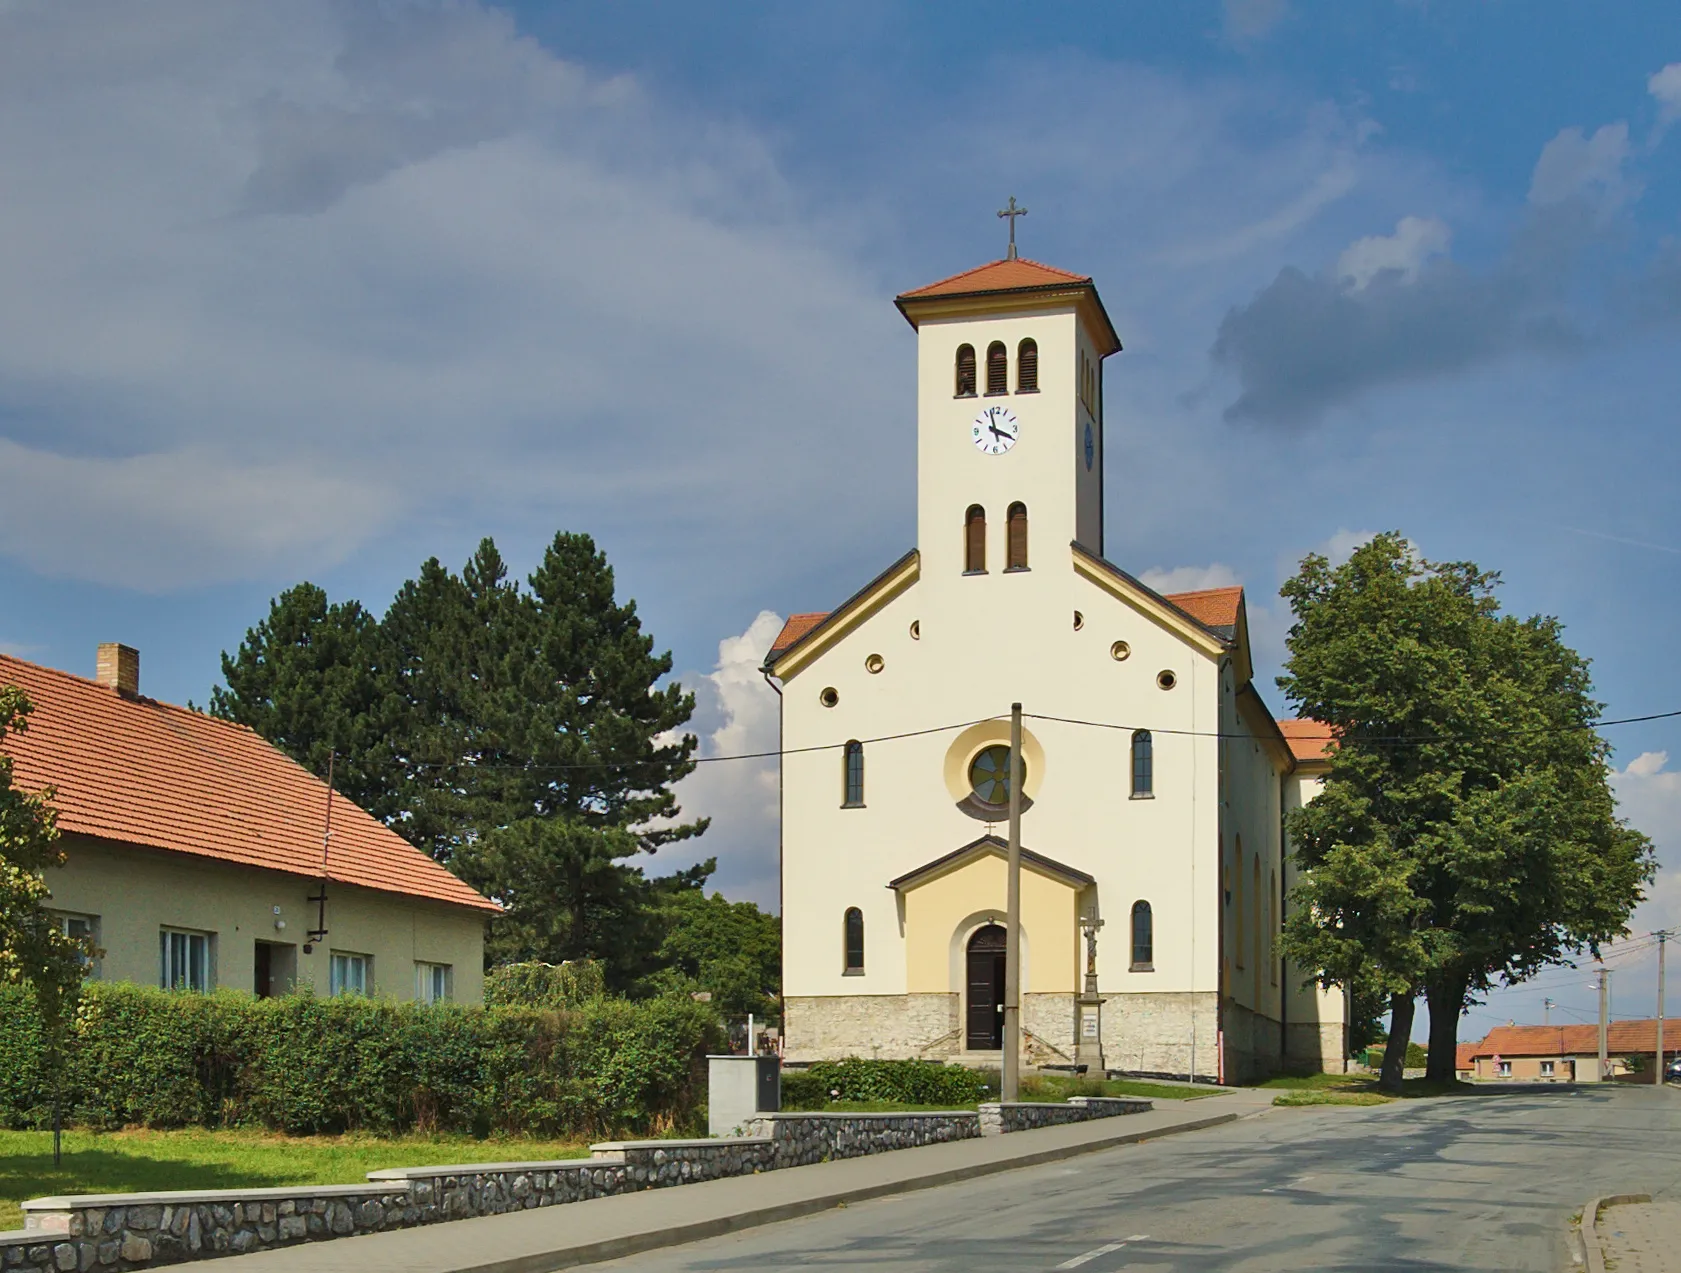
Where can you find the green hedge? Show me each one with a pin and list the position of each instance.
(539, 985)
(907, 1082)
(299, 1064)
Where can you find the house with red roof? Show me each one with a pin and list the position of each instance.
(198, 855)
(1155, 875)
(1570, 1053)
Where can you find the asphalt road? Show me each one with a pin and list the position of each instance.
(1487, 1181)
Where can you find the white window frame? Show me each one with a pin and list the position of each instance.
(1546, 1069)
(1503, 1069)
(433, 983)
(67, 921)
(188, 950)
(340, 978)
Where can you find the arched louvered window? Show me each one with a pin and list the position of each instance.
(1237, 905)
(997, 368)
(974, 540)
(854, 774)
(1143, 937)
(1143, 763)
(1272, 925)
(1027, 367)
(1017, 538)
(965, 371)
(854, 939)
(1256, 871)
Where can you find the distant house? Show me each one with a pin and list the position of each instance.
(1570, 1053)
(194, 850)
(1465, 1061)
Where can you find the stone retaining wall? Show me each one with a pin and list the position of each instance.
(998, 1117)
(113, 1232)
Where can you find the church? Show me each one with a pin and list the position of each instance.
(1154, 870)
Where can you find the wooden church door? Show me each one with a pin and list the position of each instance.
(986, 990)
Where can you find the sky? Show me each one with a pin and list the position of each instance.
(310, 290)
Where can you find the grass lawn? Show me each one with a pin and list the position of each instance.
(1043, 1087)
(1351, 1089)
(136, 1161)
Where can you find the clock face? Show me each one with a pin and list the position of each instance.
(995, 430)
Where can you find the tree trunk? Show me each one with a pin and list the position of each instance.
(1446, 998)
(1395, 1051)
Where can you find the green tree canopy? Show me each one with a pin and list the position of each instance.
(731, 949)
(520, 735)
(1465, 835)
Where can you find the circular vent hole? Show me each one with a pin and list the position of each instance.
(1119, 651)
(1079, 621)
(874, 664)
(916, 629)
(1167, 680)
(829, 697)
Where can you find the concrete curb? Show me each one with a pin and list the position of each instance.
(1594, 1257)
(564, 1254)
(678, 1235)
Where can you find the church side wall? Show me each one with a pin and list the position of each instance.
(1316, 1036)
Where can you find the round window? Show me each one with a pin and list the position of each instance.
(1167, 680)
(829, 697)
(1119, 651)
(874, 664)
(989, 775)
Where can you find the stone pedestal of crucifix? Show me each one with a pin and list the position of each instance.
(1088, 1007)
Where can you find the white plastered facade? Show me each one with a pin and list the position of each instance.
(929, 644)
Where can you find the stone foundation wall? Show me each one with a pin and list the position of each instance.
(1316, 1045)
(1150, 1034)
(1050, 1023)
(887, 1027)
(115, 1232)
(998, 1117)
(1252, 1044)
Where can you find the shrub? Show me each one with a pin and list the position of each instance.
(539, 985)
(907, 1082)
(299, 1064)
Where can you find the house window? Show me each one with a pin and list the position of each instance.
(1027, 367)
(997, 368)
(965, 371)
(1503, 1069)
(1143, 938)
(854, 775)
(82, 928)
(431, 982)
(1016, 546)
(1143, 764)
(853, 938)
(974, 540)
(184, 959)
(351, 974)
(1546, 1069)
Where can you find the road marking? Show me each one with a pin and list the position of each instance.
(1078, 1260)
(1299, 1180)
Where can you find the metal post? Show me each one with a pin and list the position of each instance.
(1662, 937)
(1604, 1018)
(1010, 1086)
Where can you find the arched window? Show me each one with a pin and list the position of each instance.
(965, 371)
(1272, 925)
(974, 540)
(1016, 552)
(1256, 871)
(997, 368)
(1143, 938)
(854, 926)
(1143, 764)
(854, 775)
(1027, 367)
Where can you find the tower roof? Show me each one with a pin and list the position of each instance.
(1009, 283)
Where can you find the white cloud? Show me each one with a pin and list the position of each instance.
(1248, 20)
(158, 521)
(738, 714)
(1665, 85)
(1326, 189)
(1190, 578)
(1416, 240)
(1340, 546)
(1649, 798)
(1575, 165)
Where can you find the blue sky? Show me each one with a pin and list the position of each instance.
(315, 290)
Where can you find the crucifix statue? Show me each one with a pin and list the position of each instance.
(1089, 927)
(1012, 212)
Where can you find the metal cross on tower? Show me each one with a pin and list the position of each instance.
(1012, 212)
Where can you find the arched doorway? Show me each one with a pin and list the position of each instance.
(985, 1032)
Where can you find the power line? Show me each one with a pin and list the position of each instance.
(1421, 739)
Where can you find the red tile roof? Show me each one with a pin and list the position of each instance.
(149, 773)
(1465, 1056)
(1308, 739)
(795, 628)
(1211, 607)
(1621, 1038)
(997, 276)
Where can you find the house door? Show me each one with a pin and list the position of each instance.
(262, 975)
(985, 1031)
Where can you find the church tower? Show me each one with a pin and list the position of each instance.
(1009, 414)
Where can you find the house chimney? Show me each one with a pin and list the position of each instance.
(118, 667)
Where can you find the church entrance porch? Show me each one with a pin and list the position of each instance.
(985, 1021)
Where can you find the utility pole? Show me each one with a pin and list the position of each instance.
(1604, 1017)
(1010, 1085)
(1663, 936)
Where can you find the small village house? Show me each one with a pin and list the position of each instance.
(1570, 1053)
(194, 848)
